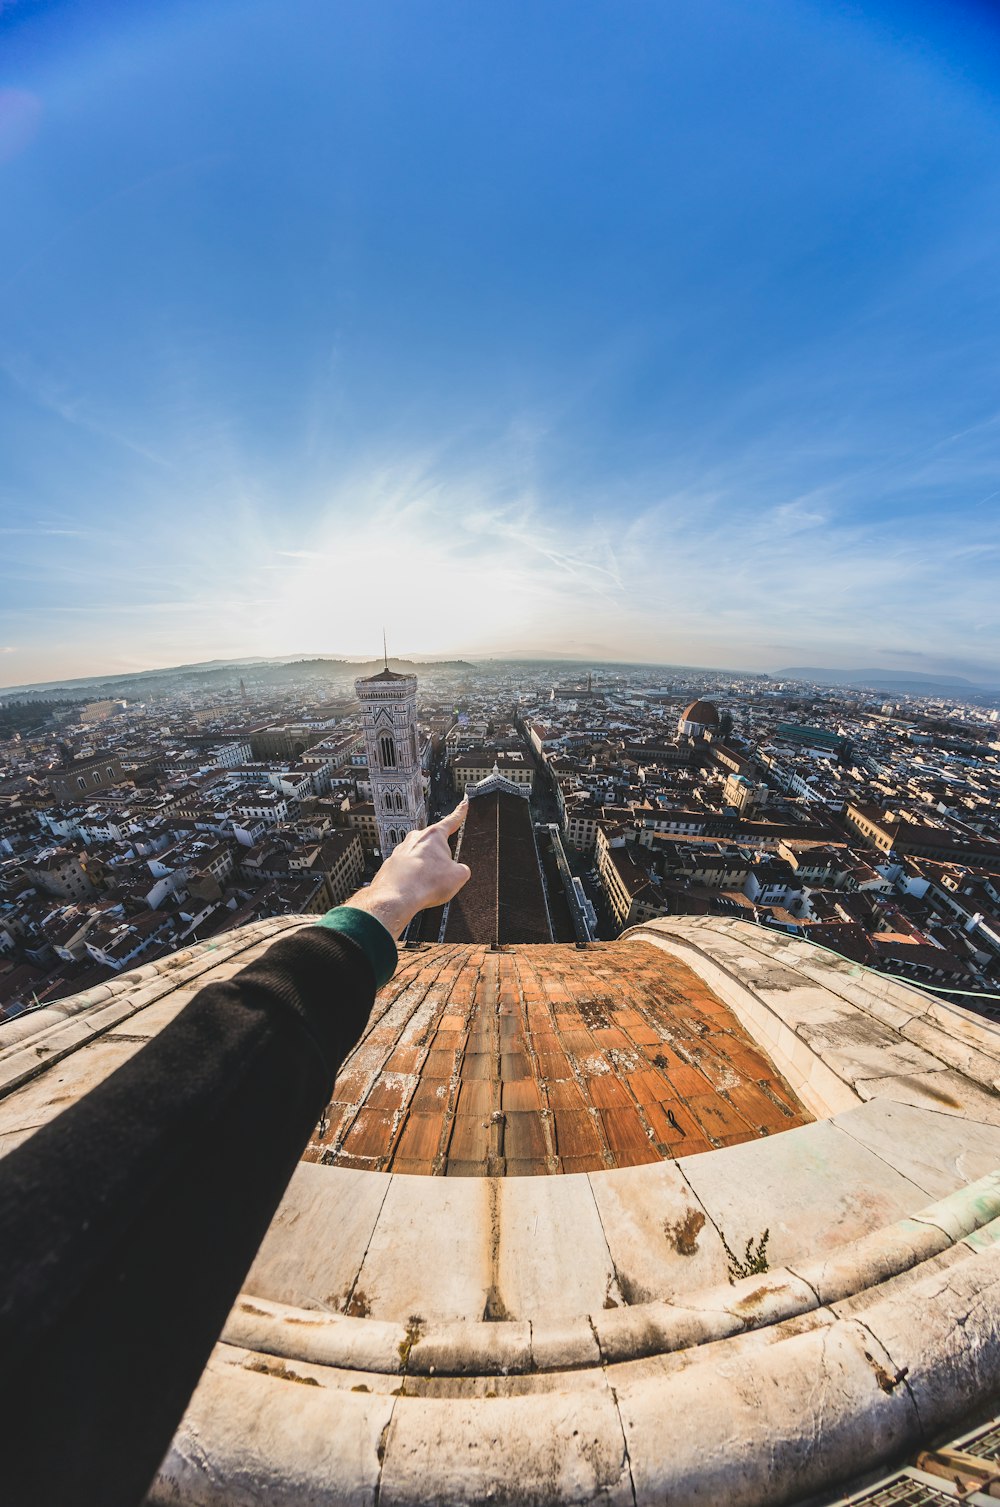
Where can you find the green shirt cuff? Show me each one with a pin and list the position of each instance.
(371, 936)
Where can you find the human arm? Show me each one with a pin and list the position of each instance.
(128, 1223)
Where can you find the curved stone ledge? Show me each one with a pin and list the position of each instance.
(30, 1043)
(839, 1033)
(358, 1366)
(763, 1417)
(464, 1348)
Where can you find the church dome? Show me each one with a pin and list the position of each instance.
(703, 713)
(703, 1214)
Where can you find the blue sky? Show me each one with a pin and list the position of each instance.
(663, 331)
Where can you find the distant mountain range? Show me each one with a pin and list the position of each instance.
(907, 681)
(224, 672)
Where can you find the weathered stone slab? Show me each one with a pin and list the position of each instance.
(763, 1423)
(944, 1331)
(812, 1189)
(66, 1080)
(430, 1251)
(153, 1017)
(314, 1249)
(947, 1091)
(535, 1451)
(552, 1256)
(938, 1152)
(660, 1239)
(273, 1440)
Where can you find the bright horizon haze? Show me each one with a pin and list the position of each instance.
(643, 332)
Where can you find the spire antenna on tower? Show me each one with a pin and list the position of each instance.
(385, 652)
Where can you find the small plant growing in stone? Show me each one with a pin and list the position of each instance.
(754, 1260)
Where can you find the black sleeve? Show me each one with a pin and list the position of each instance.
(128, 1223)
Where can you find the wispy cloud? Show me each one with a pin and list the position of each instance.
(41, 532)
(57, 396)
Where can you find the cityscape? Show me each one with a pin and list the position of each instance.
(863, 821)
(500, 753)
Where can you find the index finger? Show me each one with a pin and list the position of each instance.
(451, 823)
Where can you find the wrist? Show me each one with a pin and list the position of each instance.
(388, 908)
(370, 934)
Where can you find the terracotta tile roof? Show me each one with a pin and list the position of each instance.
(547, 1059)
(503, 901)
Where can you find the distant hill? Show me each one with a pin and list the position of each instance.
(223, 672)
(907, 681)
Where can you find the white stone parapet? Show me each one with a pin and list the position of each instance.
(358, 1365)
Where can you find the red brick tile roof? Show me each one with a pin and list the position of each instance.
(548, 1058)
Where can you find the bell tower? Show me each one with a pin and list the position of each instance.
(389, 707)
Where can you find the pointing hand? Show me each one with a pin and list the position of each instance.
(418, 874)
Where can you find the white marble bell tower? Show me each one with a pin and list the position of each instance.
(389, 704)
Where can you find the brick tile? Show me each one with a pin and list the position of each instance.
(448, 1040)
(687, 1080)
(350, 1085)
(627, 1137)
(577, 1134)
(403, 1060)
(643, 1035)
(360, 1163)
(387, 1094)
(440, 1064)
(580, 1043)
(610, 1036)
(370, 1135)
(648, 1086)
(420, 1137)
(431, 1096)
(694, 1145)
(547, 1041)
(685, 1129)
(335, 1116)
(565, 1093)
(524, 1137)
(583, 1164)
(478, 1096)
(783, 1092)
(467, 1030)
(716, 1117)
(470, 1139)
(608, 1092)
(522, 1094)
(478, 1065)
(760, 1111)
(554, 1065)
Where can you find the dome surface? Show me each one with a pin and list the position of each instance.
(704, 713)
(750, 1323)
(548, 1059)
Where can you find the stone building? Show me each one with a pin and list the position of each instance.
(83, 777)
(699, 718)
(59, 871)
(469, 768)
(389, 708)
